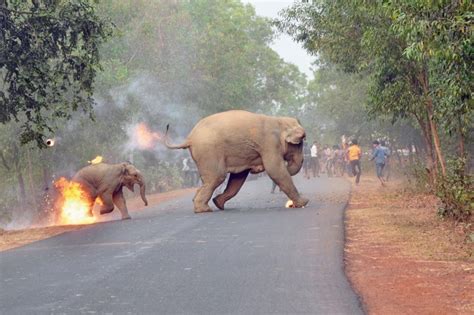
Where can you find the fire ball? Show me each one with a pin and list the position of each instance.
(50, 142)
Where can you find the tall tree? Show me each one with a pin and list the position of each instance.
(49, 56)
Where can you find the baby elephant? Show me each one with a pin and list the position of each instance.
(106, 181)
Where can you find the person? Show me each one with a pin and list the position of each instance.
(315, 159)
(346, 159)
(330, 160)
(186, 171)
(306, 159)
(379, 154)
(327, 159)
(355, 154)
(339, 164)
(388, 167)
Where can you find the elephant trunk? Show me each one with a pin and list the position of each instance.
(142, 189)
(295, 164)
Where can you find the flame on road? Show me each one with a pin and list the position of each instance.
(289, 204)
(74, 203)
(98, 159)
(144, 137)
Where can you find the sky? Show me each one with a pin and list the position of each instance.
(289, 50)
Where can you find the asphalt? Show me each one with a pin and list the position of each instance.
(256, 257)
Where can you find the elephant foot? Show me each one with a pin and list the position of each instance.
(127, 217)
(202, 210)
(105, 211)
(301, 202)
(219, 202)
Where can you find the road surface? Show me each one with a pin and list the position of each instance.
(254, 258)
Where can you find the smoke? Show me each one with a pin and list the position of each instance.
(130, 122)
(154, 103)
(152, 107)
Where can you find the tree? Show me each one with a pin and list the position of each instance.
(48, 61)
(399, 45)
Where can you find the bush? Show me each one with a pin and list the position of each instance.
(163, 177)
(456, 191)
(418, 177)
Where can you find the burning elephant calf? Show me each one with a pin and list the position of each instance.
(101, 183)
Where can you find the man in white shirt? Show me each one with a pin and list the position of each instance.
(315, 159)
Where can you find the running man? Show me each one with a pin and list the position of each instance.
(388, 166)
(355, 154)
(379, 155)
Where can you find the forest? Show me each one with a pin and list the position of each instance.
(87, 74)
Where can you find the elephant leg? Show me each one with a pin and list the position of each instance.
(107, 203)
(210, 181)
(119, 201)
(233, 186)
(278, 171)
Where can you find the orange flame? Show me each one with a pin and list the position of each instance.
(98, 159)
(290, 204)
(74, 203)
(146, 139)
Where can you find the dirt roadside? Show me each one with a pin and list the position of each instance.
(17, 238)
(401, 258)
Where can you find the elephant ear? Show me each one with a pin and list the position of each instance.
(126, 177)
(295, 135)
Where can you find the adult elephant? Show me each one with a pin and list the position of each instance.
(239, 142)
(106, 181)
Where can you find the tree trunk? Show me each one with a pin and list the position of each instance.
(19, 174)
(45, 178)
(462, 139)
(434, 132)
(433, 128)
(21, 185)
(431, 165)
(30, 178)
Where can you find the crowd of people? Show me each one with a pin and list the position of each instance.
(338, 160)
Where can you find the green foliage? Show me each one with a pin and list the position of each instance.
(49, 56)
(440, 35)
(209, 55)
(335, 102)
(456, 191)
(164, 177)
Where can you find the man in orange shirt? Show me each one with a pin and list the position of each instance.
(355, 154)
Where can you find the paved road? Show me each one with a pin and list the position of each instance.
(255, 258)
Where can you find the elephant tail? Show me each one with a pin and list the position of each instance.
(184, 145)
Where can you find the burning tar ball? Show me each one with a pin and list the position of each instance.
(50, 142)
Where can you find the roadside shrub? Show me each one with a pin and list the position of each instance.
(456, 191)
(418, 177)
(163, 177)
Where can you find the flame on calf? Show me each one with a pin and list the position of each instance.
(98, 159)
(74, 203)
